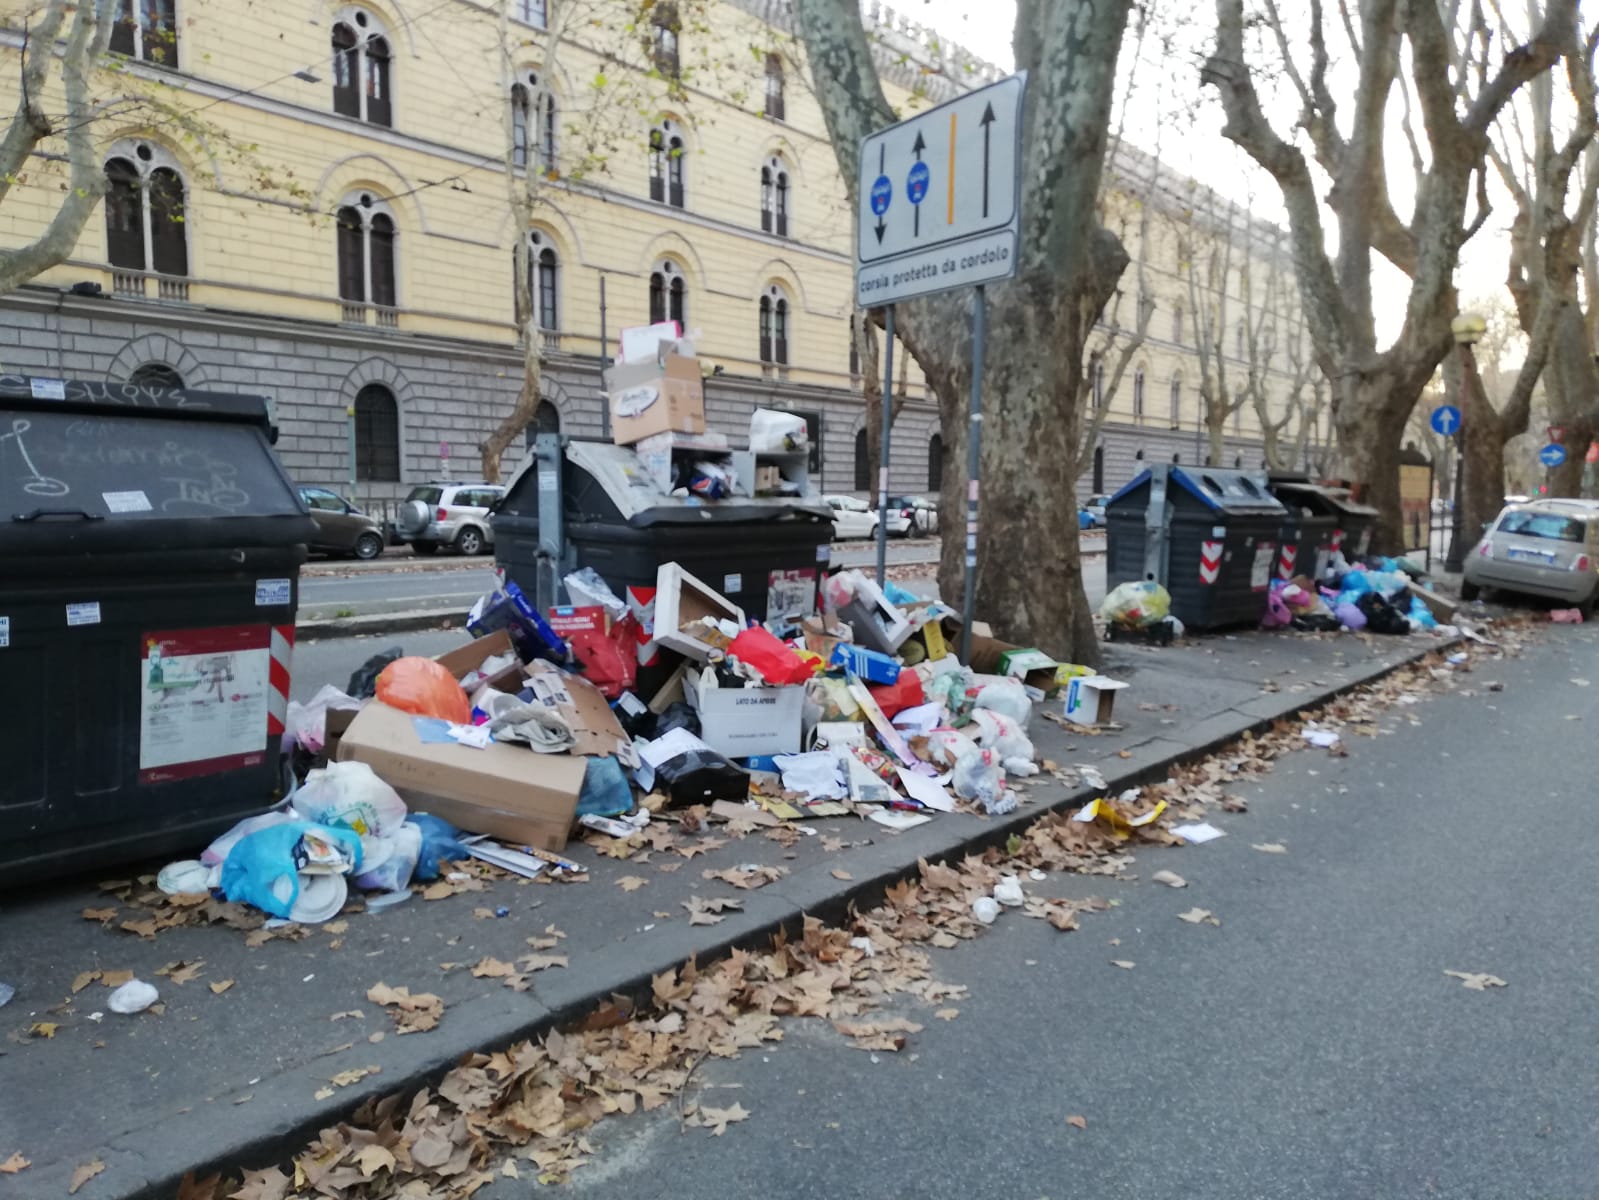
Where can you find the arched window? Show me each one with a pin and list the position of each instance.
(668, 294)
(377, 435)
(774, 326)
(666, 164)
(774, 197)
(1099, 469)
(774, 86)
(148, 30)
(366, 236)
(543, 281)
(533, 12)
(935, 463)
(361, 64)
(145, 211)
(1176, 402)
(863, 463)
(854, 349)
(665, 30)
(1138, 394)
(546, 419)
(526, 95)
(1177, 324)
(155, 375)
(1098, 375)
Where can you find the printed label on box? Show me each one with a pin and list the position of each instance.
(732, 583)
(5, 632)
(87, 613)
(48, 389)
(1260, 569)
(125, 502)
(272, 592)
(203, 701)
(790, 593)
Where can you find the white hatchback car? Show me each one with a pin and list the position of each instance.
(852, 518)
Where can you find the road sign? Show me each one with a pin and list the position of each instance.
(1552, 455)
(1446, 420)
(1557, 433)
(941, 197)
(1593, 453)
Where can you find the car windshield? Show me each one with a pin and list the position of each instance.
(428, 495)
(1552, 526)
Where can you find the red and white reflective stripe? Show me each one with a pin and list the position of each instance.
(1338, 540)
(1209, 561)
(278, 678)
(1285, 561)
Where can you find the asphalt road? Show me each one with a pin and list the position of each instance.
(1311, 1046)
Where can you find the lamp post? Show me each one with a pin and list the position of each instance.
(1468, 329)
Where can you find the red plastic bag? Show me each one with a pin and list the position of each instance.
(893, 697)
(424, 687)
(778, 664)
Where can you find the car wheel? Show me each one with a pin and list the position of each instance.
(1470, 591)
(425, 547)
(1586, 607)
(368, 545)
(470, 542)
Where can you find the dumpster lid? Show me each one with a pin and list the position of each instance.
(86, 466)
(1339, 498)
(641, 501)
(1219, 489)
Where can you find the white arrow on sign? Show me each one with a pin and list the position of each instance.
(940, 197)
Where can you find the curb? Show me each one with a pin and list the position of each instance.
(377, 623)
(500, 1018)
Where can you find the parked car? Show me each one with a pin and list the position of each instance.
(852, 518)
(341, 527)
(1094, 506)
(1541, 548)
(911, 516)
(449, 514)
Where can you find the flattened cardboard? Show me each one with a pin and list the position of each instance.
(508, 792)
(587, 711)
(646, 398)
(463, 660)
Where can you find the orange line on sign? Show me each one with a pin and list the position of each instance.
(950, 212)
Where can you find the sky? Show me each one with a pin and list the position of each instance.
(1169, 106)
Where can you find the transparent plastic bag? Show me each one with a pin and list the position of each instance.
(1136, 605)
(349, 795)
(979, 777)
(1008, 697)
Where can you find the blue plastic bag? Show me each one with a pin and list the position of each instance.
(261, 858)
(898, 595)
(1421, 614)
(441, 843)
(606, 792)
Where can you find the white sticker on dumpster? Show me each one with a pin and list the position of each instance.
(47, 389)
(203, 700)
(84, 614)
(271, 593)
(5, 632)
(125, 502)
(1260, 569)
(732, 583)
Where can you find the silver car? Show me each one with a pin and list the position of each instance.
(1541, 548)
(449, 514)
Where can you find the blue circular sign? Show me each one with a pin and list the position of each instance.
(1446, 420)
(916, 183)
(1552, 455)
(882, 193)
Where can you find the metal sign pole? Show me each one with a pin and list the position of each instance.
(605, 361)
(887, 406)
(974, 460)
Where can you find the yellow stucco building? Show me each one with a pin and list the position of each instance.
(336, 233)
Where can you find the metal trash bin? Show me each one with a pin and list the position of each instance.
(1307, 535)
(1353, 522)
(768, 556)
(1209, 536)
(152, 546)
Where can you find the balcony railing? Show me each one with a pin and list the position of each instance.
(135, 285)
(355, 313)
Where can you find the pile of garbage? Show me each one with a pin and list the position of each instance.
(1379, 595)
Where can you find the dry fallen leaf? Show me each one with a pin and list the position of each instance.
(354, 1012)
(840, 873)
(701, 911)
(412, 1014)
(631, 883)
(374, 1158)
(718, 1119)
(43, 1029)
(83, 980)
(270, 1184)
(1123, 963)
(1169, 878)
(492, 968)
(83, 1174)
(14, 1164)
(1269, 847)
(1196, 916)
(1124, 754)
(221, 986)
(182, 972)
(353, 1075)
(1077, 1122)
(100, 914)
(322, 1093)
(115, 979)
(1477, 981)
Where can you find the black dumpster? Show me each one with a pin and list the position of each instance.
(152, 546)
(768, 556)
(1209, 536)
(1353, 522)
(1307, 535)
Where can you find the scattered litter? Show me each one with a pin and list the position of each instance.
(1170, 878)
(1322, 739)
(1475, 981)
(1269, 847)
(985, 909)
(1008, 892)
(1198, 832)
(132, 997)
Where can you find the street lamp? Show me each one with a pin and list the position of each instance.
(1468, 329)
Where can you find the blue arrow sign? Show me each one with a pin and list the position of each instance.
(1446, 420)
(882, 194)
(1552, 455)
(916, 182)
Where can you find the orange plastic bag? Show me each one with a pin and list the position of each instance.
(422, 686)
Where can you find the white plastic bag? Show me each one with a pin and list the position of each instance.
(1007, 696)
(307, 724)
(997, 732)
(349, 795)
(815, 775)
(392, 874)
(949, 746)
(773, 432)
(978, 777)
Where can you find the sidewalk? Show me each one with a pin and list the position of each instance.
(239, 1075)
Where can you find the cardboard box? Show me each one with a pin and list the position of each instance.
(824, 634)
(508, 792)
(642, 343)
(1090, 699)
(870, 665)
(587, 711)
(745, 722)
(877, 623)
(681, 600)
(647, 398)
(659, 452)
(463, 660)
(1033, 667)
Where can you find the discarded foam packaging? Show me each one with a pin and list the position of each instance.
(1090, 699)
(642, 343)
(877, 623)
(586, 711)
(744, 722)
(681, 600)
(663, 394)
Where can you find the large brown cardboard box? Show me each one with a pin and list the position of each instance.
(647, 398)
(509, 792)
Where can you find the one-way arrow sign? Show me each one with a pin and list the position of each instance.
(969, 231)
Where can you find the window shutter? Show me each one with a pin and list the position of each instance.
(380, 241)
(346, 72)
(352, 275)
(169, 243)
(379, 105)
(124, 216)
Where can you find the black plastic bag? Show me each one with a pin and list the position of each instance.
(700, 777)
(363, 684)
(1381, 616)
